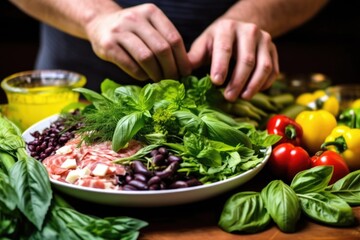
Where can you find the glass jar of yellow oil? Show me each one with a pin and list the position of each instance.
(35, 95)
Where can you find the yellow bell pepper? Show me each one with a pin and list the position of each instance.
(316, 125)
(331, 103)
(355, 103)
(345, 141)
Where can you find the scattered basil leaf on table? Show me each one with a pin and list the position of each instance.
(282, 204)
(327, 208)
(244, 212)
(348, 188)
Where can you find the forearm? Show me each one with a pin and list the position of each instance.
(275, 16)
(71, 16)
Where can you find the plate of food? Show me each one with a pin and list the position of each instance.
(146, 158)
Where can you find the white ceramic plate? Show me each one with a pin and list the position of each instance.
(147, 198)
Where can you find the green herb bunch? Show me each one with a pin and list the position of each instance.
(179, 115)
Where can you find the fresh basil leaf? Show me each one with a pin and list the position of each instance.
(170, 90)
(282, 204)
(126, 129)
(147, 97)
(312, 180)
(10, 138)
(8, 197)
(327, 208)
(30, 181)
(220, 131)
(129, 95)
(209, 157)
(189, 120)
(220, 116)
(348, 188)
(95, 98)
(244, 212)
(194, 144)
(108, 89)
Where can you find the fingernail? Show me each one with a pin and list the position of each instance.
(246, 95)
(217, 79)
(229, 95)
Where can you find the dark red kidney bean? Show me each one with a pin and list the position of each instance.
(154, 180)
(154, 187)
(193, 182)
(163, 151)
(158, 160)
(138, 184)
(173, 158)
(129, 188)
(140, 177)
(128, 178)
(139, 167)
(163, 174)
(49, 150)
(179, 184)
(154, 152)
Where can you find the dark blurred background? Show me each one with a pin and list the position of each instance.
(326, 44)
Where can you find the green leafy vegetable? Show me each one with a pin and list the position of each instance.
(244, 212)
(282, 204)
(176, 114)
(327, 208)
(348, 188)
(313, 180)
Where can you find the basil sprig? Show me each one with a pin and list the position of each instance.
(308, 193)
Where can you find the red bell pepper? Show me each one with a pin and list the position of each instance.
(287, 128)
(286, 160)
(334, 159)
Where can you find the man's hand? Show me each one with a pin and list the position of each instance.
(142, 41)
(256, 57)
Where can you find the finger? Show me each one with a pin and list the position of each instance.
(245, 62)
(161, 50)
(141, 53)
(120, 57)
(198, 53)
(221, 55)
(264, 67)
(163, 25)
(276, 69)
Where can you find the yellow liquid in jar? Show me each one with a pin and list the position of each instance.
(25, 109)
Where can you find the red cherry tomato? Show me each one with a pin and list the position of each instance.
(333, 159)
(287, 160)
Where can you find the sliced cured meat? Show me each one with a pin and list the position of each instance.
(88, 165)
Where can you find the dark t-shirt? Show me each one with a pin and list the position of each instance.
(62, 51)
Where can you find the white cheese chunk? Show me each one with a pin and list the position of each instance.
(100, 170)
(64, 150)
(76, 174)
(69, 163)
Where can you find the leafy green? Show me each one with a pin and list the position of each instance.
(348, 188)
(244, 212)
(313, 180)
(327, 208)
(126, 129)
(282, 204)
(176, 114)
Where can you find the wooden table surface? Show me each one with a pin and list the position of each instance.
(199, 220)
